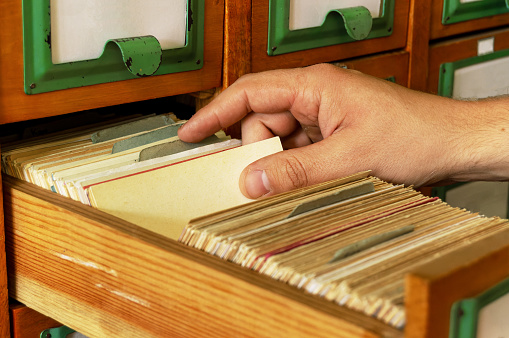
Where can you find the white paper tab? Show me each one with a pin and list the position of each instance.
(80, 29)
(486, 46)
(307, 14)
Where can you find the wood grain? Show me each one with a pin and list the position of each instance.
(431, 290)
(459, 49)
(28, 323)
(4, 297)
(15, 105)
(383, 66)
(102, 276)
(237, 40)
(439, 30)
(418, 43)
(260, 61)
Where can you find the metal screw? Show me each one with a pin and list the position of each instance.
(198, 61)
(274, 48)
(32, 86)
(48, 335)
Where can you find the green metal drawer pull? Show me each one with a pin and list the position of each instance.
(357, 20)
(142, 55)
(57, 332)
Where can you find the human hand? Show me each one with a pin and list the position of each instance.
(336, 122)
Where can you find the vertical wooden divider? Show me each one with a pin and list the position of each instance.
(4, 299)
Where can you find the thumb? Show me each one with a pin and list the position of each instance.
(288, 170)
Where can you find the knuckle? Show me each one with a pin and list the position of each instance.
(295, 172)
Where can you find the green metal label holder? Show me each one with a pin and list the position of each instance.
(446, 77)
(340, 26)
(455, 11)
(122, 59)
(465, 313)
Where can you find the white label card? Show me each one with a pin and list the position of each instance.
(486, 79)
(308, 14)
(80, 29)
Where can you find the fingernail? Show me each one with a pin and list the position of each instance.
(257, 184)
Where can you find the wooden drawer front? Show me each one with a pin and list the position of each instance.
(390, 66)
(28, 323)
(450, 17)
(262, 61)
(461, 52)
(105, 277)
(15, 105)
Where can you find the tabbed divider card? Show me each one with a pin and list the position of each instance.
(68, 43)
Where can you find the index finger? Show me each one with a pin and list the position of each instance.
(267, 92)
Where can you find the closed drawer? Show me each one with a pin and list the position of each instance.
(278, 43)
(453, 17)
(469, 55)
(182, 70)
(478, 68)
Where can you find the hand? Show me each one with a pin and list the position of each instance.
(336, 122)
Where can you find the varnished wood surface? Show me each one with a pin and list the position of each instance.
(103, 276)
(28, 323)
(237, 40)
(439, 30)
(4, 298)
(15, 105)
(433, 288)
(260, 61)
(418, 43)
(458, 49)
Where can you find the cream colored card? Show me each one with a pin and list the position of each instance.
(165, 199)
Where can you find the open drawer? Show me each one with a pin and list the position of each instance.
(104, 277)
(43, 76)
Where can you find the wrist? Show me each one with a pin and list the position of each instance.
(481, 140)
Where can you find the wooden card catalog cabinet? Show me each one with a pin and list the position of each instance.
(62, 56)
(478, 68)
(295, 33)
(452, 17)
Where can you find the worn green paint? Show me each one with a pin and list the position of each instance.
(455, 11)
(340, 26)
(122, 59)
(141, 55)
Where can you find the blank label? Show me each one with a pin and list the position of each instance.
(307, 14)
(80, 29)
(492, 321)
(486, 79)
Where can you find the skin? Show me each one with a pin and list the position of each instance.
(335, 122)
